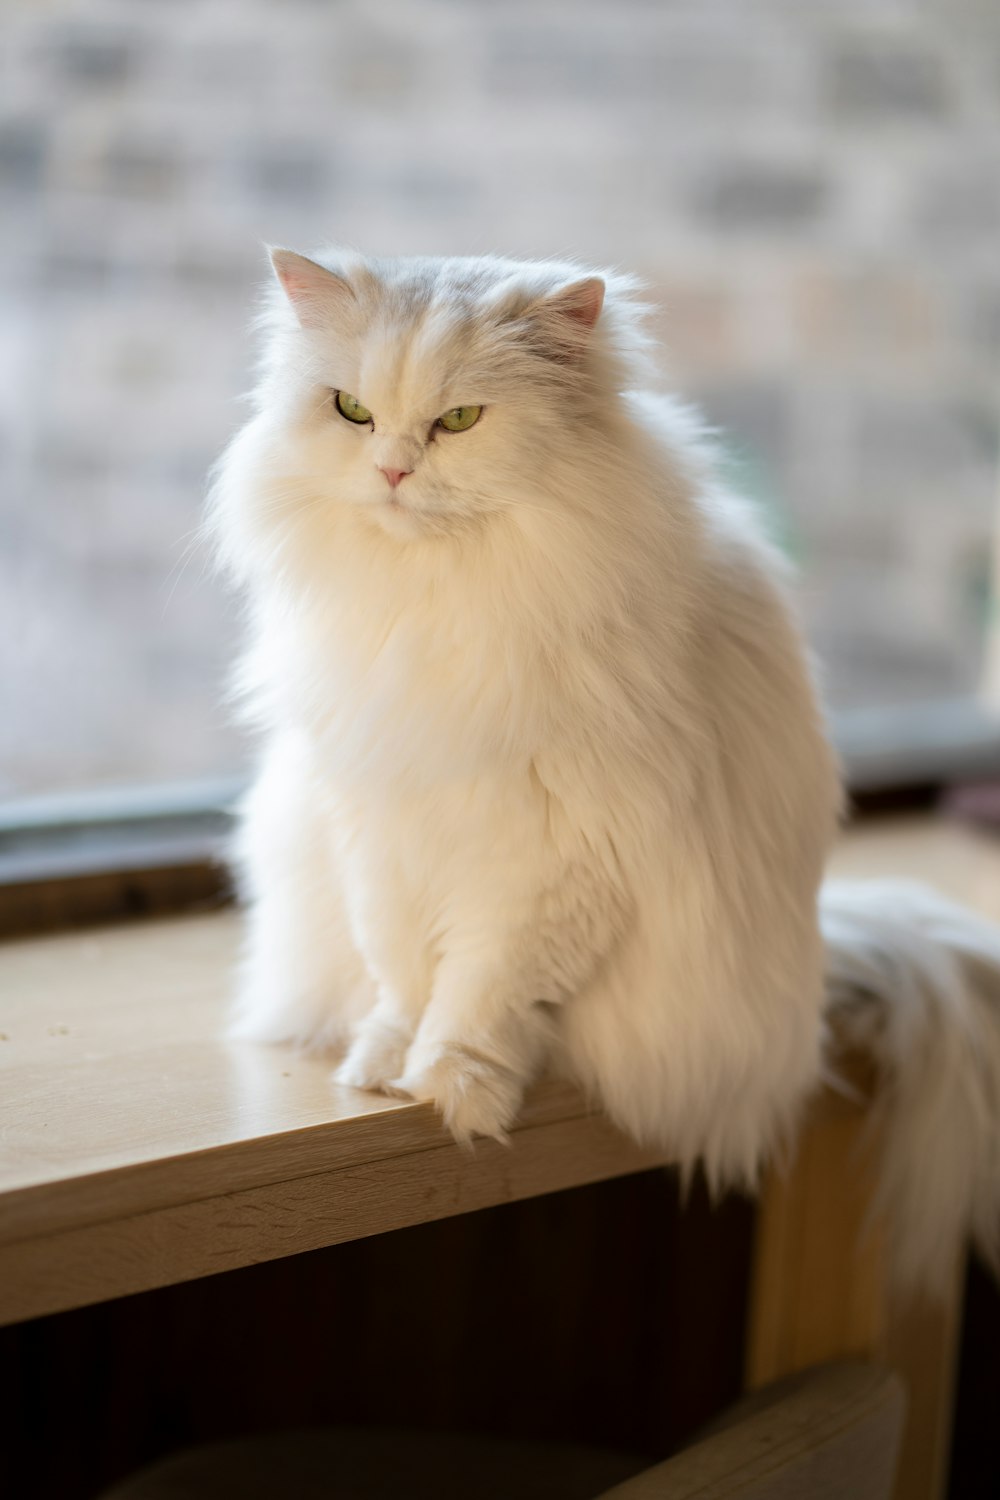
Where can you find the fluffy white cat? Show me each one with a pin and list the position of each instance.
(545, 782)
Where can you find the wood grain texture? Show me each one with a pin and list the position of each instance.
(138, 1147)
(131, 1253)
(818, 1281)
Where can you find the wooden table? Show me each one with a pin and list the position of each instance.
(138, 1149)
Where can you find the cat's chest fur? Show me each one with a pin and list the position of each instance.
(418, 672)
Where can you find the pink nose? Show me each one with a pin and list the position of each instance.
(394, 475)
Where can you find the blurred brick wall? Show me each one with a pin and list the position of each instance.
(811, 191)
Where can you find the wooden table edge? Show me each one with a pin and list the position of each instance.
(91, 1262)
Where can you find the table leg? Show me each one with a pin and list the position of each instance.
(820, 1291)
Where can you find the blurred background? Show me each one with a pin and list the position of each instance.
(811, 193)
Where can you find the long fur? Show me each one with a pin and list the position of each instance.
(913, 981)
(545, 780)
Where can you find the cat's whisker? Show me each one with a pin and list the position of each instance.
(195, 537)
(290, 502)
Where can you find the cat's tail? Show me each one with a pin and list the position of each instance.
(913, 981)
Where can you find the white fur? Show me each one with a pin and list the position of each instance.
(914, 980)
(544, 780)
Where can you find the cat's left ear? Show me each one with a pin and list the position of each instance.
(316, 294)
(568, 316)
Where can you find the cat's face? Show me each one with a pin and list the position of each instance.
(429, 394)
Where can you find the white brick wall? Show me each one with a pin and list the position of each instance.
(812, 192)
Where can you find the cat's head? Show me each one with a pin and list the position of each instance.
(430, 393)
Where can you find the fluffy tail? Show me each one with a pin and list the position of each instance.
(914, 982)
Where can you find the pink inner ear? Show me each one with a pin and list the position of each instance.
(313, 291)
(582, 302)
(296, 286)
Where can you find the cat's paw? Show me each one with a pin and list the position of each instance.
(474, 1095)
(377, 1054)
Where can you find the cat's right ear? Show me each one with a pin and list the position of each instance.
(316, 294)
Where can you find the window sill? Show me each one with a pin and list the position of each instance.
(140, 1148)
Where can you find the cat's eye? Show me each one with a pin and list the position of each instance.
(351, 408)
(460, 418)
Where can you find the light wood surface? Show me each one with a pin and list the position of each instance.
(139, 1148)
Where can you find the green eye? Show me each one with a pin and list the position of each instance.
(351, 408)
(460, 418)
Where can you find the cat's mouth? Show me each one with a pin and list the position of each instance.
(409, 520)
(394, 503)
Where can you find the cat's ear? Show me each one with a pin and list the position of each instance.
(567, 317)
(579, 303)
(315, 293)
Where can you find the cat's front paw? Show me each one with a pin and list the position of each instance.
(376, 1055)
(474, 1095)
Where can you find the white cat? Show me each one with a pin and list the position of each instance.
(545, 781)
